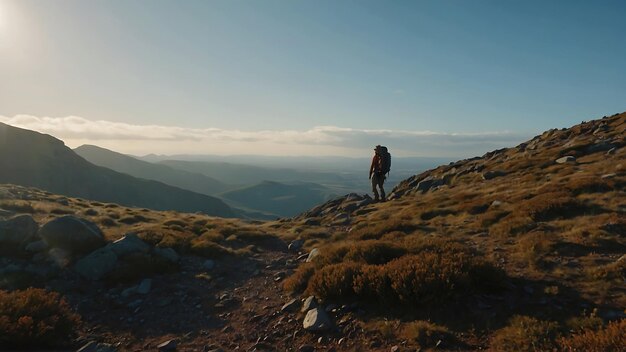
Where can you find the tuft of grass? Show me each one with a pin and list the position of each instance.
(18, 206)
(612, 338)
(208, 249)
(298, 282)
(35, 318)
(526, 334)
(426, 334)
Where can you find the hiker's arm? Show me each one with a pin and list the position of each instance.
(372, 166)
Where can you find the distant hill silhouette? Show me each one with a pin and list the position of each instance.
(249, 174)
(33, 159)
(195, 182)
(278, 198)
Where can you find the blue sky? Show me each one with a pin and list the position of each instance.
(286, 67)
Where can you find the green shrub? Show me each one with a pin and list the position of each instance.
(35, 318)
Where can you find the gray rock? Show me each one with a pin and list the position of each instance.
(314, 253)
(395, 348)
(611, 151)
(97, 264)
(37, 246)
(608, 176)
(493, 174)
(168, 254)
(60, 257)
(144, 287)
(496, 203)
(291, 306)
(428, 183)
(310, 222)
(93, 346)
(208, 264)
(566, 159)
(17, 231)
(316, 319)
(296, 245)
(76, 235)
(364, 202)
(169, 345)
(309, 304)
(129, 244)
(306, 348)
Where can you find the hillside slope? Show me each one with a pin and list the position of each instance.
(33, 159)
(128, 165)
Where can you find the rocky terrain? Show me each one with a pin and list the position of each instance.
(522, 249)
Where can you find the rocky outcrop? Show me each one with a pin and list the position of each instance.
(75, 235)
(97, 264)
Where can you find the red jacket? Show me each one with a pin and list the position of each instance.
(376, 164)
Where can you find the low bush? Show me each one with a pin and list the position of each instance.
(612, 338)
(381, 228)
(208, 249)
(550, 206)
(534, 246)
(526, 334)
(298, 282)
(426, 334)
(17, 206)
(35, 318)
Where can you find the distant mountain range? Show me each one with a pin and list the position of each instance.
(33, 159)
(129, 165)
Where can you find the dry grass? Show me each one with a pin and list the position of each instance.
(612, 338)
(426, 334)
(526, 334)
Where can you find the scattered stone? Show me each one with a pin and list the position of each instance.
(322, 340)
(144, 287)
(76, 235)
(608, 176)
(169, 345)
(93, 346)
(314, 253)
(493, 174)
(17, 231)
(395, 348)
(496, 203)
(310, 222)
(306, 348)
(36, 247)
(208, 264)
(296, 245)
(341, 341)
(566, 159)
(290, 306)
(309, 303)
(97, 264)
(611, 151)
(168, 254)
(129, 244)
(316, 319)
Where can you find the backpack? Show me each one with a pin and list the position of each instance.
(385, 164)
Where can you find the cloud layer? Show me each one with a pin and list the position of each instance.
(321, 140)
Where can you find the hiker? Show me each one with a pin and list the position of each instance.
(381, 165)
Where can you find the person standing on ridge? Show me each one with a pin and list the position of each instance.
(381, 165)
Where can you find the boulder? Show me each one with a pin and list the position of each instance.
(168, 254)
(36, 247)
(488, 175)
(129, 244)
(316, 319)
(17, 231)
(428, 183)
(76, 235)
(97, 264)
(314, 253)
(296, 245)
(566, 159)
(60, 257)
